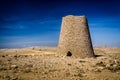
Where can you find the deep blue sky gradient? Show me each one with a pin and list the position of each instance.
(37, 22)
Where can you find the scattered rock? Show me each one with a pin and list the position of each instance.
(67, 74)
(97, 70)
(3, 56)
(14, 66)
(69, 64)
(107, 65)
(27, 70)
(3, 68)
(53, 67)
(7, 77)
(114, 69)
(100, 68)
(100, 64)
(81, 61)
(15, 78)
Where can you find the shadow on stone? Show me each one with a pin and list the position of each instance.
(98, 55)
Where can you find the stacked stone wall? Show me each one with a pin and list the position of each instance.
(75, 37)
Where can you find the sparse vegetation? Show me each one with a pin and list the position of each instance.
(28, 64)
(114, 69)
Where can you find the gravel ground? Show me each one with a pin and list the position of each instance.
(43, 63)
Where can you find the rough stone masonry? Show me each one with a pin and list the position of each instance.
(75, 37)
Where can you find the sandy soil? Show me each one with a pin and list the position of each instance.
(43, 63)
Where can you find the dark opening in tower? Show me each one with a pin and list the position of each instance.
(69, 53)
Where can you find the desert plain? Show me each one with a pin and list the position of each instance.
(43, 63)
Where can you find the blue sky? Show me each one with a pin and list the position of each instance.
(26, 23)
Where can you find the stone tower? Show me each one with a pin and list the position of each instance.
(75, 37)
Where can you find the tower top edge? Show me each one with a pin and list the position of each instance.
(81, 16)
